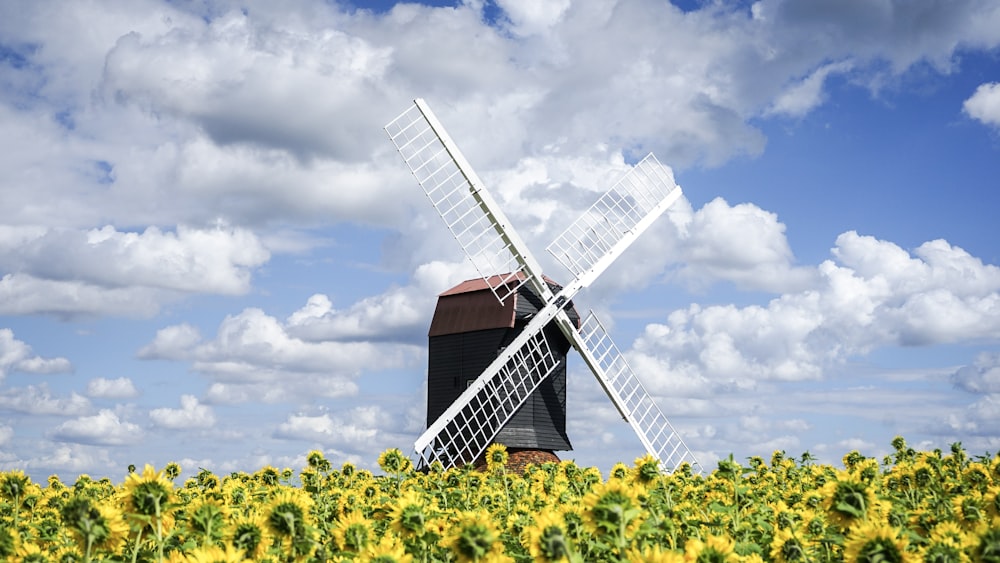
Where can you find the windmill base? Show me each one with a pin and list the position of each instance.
(520, 458)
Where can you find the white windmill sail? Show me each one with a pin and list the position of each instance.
(630, 398)
(586, 248)
(458, 195)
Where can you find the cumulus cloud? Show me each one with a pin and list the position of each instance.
(191, 415)
(120, 388)
(741, 243)
(982, 377)
(104, 428)
(984, 105)
(528, 17)
(117, 269)
(172, 342)
(15, 355)
(38, 400)
(254, 357)
(352, 429)
(874, 294)
(399, 314)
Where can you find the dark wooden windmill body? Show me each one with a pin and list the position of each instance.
(468, 331)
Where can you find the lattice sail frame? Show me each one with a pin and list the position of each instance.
(457, 194)
(462, 433)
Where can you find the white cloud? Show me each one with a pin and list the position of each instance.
(983, 376)
(38, 400)
(172, 342)
(104, 428)
(742, 243)
(353, 429)
(253, 357)
(6, 433)
(66, 460)
(120, 388)
(399, 314)
(109, 272)
(984, 104)
(803, 96)
(109, 264)
(15, 355)
(529, 17)
(877, 295)
(191, 415)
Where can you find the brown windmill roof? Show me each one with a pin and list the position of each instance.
(471, 306)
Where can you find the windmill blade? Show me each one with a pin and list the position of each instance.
(457, 193)
(462, 433)
(630, 397)
(588, 246)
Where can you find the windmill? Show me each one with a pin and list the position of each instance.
(586, 248)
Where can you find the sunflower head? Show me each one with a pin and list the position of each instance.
(612, 507)
(409, 515)
(387, 550)
(99, 525)
(287, 518)
(474, 537)
(786, 547)
(317, 461)
(874, 542)
(847, 500)
(968, 512)
(647, 468)
(547, 538)
(619, 472)
(249, 535)
(207, 519)
(713, 549)
(215, 554)
(496, 457)
(393, 461)
(14, 486)
(353, 532)
(9, 542)
(149, 497)
(268, 475)
(653, 554)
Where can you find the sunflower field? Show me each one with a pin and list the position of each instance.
(910, 506)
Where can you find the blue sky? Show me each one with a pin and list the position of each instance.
(210, 253)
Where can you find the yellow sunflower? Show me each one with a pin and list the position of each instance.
(206, 518)
(353, 532)
(250, 535)
(872, 542)
(474, 537)
(496, 457)
(94, 526)
(148, 499)
(216, 554)
(968, 512)
(288, 519)
(394, 462)
(786, 547)
(409, 515)
(612, 508)
(547, 538)
(847, 500)
(387, 550)
(714, 549)
(653, 554)
(947, 542)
